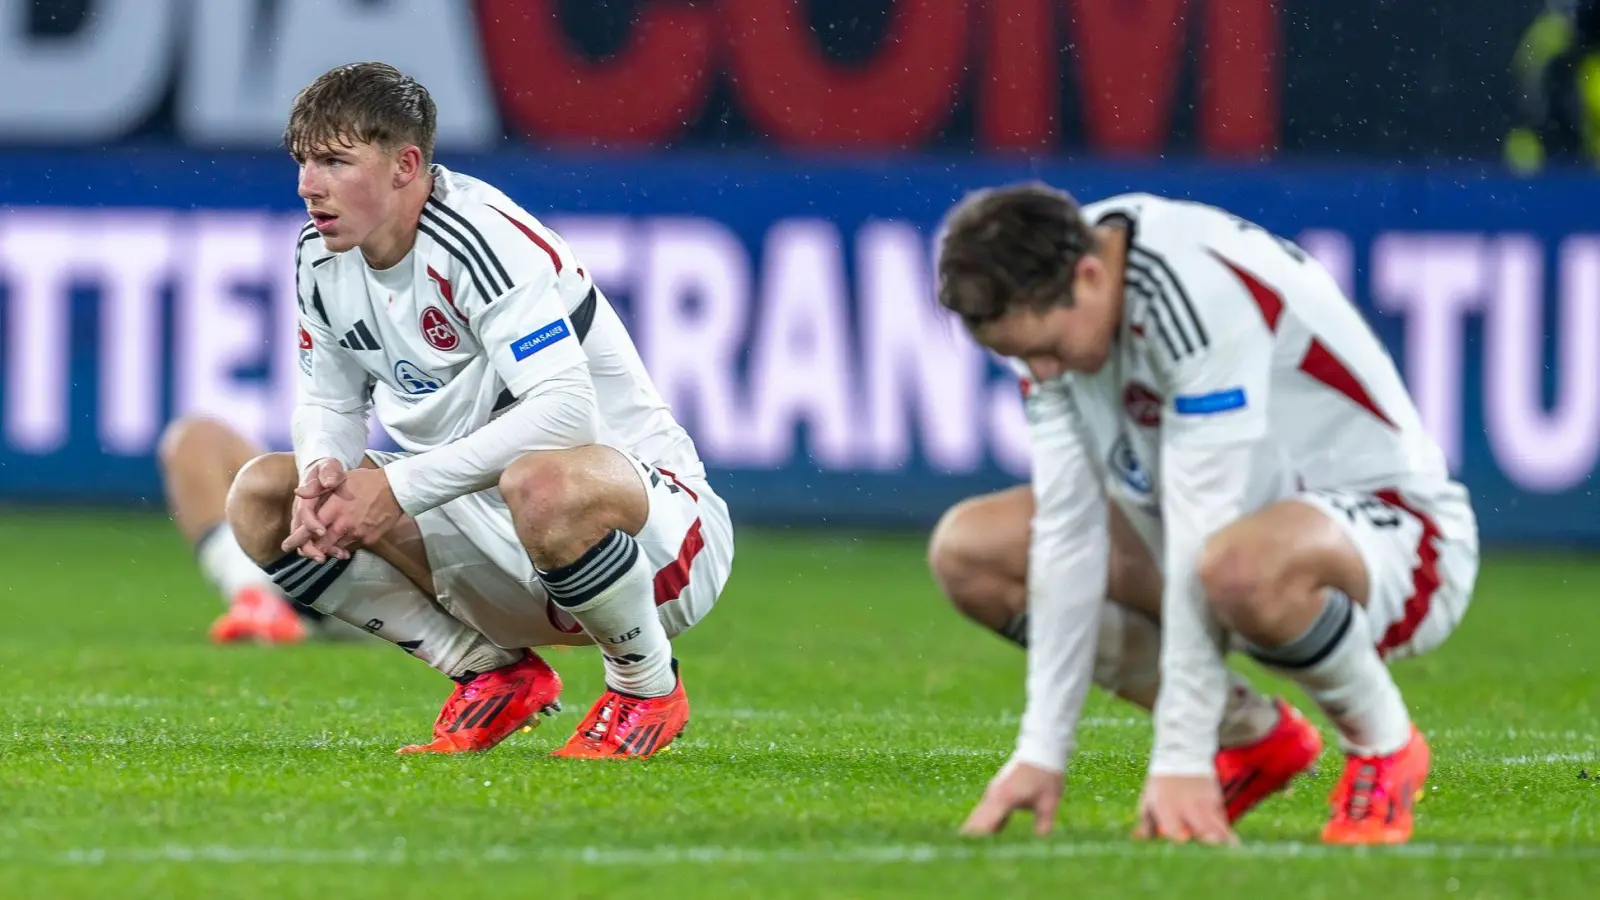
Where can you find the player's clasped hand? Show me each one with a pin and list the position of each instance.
(1017, 786)
(305, 529)
(357, 513)
(1181, 808)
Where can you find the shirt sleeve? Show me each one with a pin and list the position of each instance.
(333, 397)
(1067, 571)
(529, 336)
(1217, 464)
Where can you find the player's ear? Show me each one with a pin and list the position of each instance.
(408, 165)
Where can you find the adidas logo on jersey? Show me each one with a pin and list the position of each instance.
(360, 338)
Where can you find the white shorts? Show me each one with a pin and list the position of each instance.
(1421, 557)
(482, 574)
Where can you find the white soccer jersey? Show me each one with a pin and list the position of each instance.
(1239, 375)
(488, 305)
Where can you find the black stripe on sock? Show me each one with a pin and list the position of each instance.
(1325, 634)
(1016, 630)
(302, 580)
(597, 569)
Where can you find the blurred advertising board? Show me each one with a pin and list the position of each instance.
(785, 311)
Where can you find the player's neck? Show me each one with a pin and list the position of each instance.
(392, 241)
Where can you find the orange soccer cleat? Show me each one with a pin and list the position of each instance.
(1372, 803)
(1254, 772)
(486, 710)
(625, 726)
(258, 614)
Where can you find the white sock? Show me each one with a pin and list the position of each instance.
(225, 565)
(1128, 664)
(1338, 666)
(373, 595)
(610, 591)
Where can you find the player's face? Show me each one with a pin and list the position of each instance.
(350, 191)
(1055, 340)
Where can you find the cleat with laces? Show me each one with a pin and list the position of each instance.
(619, 725)
(1254, 772)
(1372, 803)
(489, 708)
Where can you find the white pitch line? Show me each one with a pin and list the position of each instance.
(868, 855)
(1549, 759)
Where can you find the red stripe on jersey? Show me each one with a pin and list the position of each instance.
(674, 576)
(1424, 578)
(447, 292)
(692, 495)
(1320, 363)
(1269, 300)
(533, 236)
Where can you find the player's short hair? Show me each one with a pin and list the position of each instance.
(366, 102)
(1004, 247)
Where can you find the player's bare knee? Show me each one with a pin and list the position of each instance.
(955, 557)
(1242, 581)
(564, 501)
(259, 502)
(537, 489)
(190, 438)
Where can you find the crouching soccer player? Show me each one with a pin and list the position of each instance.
(546, 495)
(979, 557)
(1262, 444)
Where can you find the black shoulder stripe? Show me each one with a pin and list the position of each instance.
(325, 259)
(1161, 304)
(1160, 267)
(488, 251)
(460, 255)
(1153, 309)
(440, 228)
(307, 231)
(316, 303)
(583, 316)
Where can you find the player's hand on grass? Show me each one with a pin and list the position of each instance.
(305, 529)
(1018, 786)
(1181, 808)
(358, 513)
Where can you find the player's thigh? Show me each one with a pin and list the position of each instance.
(687, 541)
(1419, 573)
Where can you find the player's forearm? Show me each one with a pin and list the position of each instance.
(1193, 673)
(1066, 590)
(560, 415)
(319, 432)
(1205, 489)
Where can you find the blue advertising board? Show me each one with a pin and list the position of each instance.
(784, 308)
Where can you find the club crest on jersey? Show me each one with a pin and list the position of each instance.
(1126, 464)
(1143, 404)
(438, 330)
(413, 380)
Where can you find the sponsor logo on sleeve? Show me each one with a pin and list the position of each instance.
(529, 344)
(1209, 404)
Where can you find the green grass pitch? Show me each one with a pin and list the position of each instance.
(844, 722)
